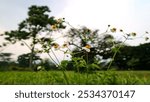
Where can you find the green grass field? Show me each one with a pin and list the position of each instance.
(57, 78)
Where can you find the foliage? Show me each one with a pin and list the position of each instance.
(6, 57)
(16, 68)
(81, 66)
(5, 61)
(64, 64)
(48, 65)
(134, 57)
(24, 60)
(67, 65)
(38, 22)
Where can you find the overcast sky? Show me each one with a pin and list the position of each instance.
(130, 15)
(14, 11)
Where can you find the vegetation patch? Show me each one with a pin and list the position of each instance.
(57, 78)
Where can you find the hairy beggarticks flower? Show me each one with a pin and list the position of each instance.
(121, 30)
(113, 30)
(54, 27)
(55, 45)
(86, 48)
(133, 34)
(64, 45)
(146, 32)
(60, 20)
(146, 38)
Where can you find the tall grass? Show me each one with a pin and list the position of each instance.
(57, 78)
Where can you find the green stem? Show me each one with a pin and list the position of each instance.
(52, 59)
(114, 55)
(55, 56)
(87, 74)
(65, 76)
(113, 58)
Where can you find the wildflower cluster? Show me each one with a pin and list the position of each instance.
(56, 24)
(85, 40)
(129, 35)
(113, 30)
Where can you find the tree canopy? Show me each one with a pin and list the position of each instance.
(38, 21)
(100, 44)
(134, 57)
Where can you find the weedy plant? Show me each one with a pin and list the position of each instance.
(85, 62)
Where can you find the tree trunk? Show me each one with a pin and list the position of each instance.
(31, 59)
(32, 54)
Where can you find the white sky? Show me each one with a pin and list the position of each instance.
(130, 15)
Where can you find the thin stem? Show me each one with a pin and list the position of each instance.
(87, 68)
(52, 59)
(55, 56)
(114, 56)
(64, 57)
(65, 76)
(26, 44)
(76, 45)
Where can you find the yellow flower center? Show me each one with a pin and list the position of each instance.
(113, 30)
(88, 46)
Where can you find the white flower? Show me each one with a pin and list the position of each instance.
(86, 49)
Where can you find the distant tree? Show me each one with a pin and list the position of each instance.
(134, 57)
(38, 21)
(6, 57)
(48, 65)
(123, 56)
(100, 44)
(24, 60)
(142, 53)
(3, 44)
(5, 60)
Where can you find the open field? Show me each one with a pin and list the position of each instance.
(57, 78)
